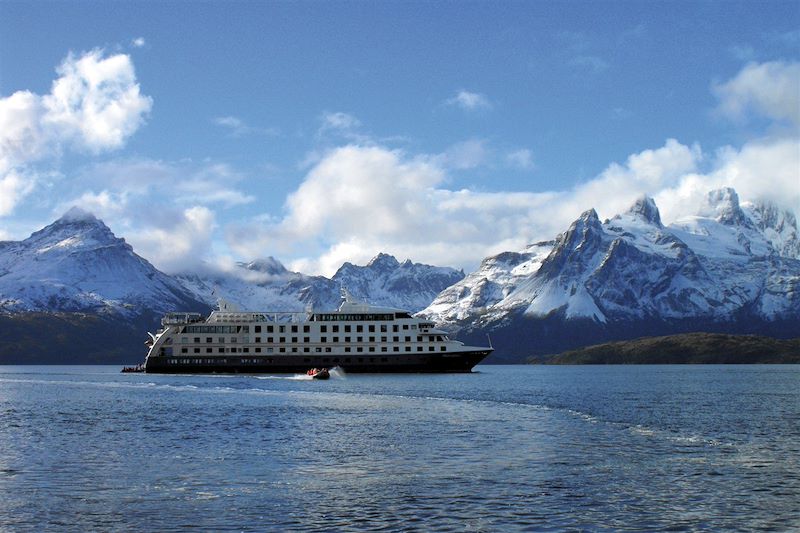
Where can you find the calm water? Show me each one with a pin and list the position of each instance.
(507, 448)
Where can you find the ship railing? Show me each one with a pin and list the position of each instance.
(279, 316)
(172, 319)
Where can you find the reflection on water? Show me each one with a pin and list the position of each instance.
(539, 448)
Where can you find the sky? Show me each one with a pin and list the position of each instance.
(207, 133)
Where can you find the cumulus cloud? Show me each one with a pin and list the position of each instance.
(469, 101)
(769, 89)
(179, 239)
(138, 42)
(93, 106)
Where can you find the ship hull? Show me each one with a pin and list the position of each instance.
(455, 362)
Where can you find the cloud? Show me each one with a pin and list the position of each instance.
(179, 240)
(238, 128)
(465, 155)
(767, 89)
(138, 42)
(94, 105)
(469, 101)
(522, 159)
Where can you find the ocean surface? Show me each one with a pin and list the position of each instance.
(507, 448)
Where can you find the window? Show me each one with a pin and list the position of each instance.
(359, 329)
(384, 349)
(197, 350)
(209, 350)
(323, 339)
(282, 329)
(282, 340)
(360, 349)
(396, 349)
(184, 350)
(323, 329)
(221, 350)
(405, 326)
(347, 349)
(258, 350)
(197, 340)
(294, 339)
(233, 340)
(270, 329)
(294, 329)
(336, 339)
(360, 339)
(419, 338)
(221, 339)
(335, 328)
(372, 329)
(371, 348)
(408, 348)
(395, 339)
(347, 339)
(395, 328)
(347, 329)
(270, 339)
(258, 340)
(383, 339)
(384, 329)
(306, 339)
(209, 340)
(408, 339)
(372, 339)
(306, 329)
(257, 330)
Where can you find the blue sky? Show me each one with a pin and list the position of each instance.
(319, 132)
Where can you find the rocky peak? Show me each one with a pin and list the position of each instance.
(76, 229)
(723, 205)
(383, 261)
(646, 209)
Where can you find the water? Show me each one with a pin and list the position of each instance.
(504, 449)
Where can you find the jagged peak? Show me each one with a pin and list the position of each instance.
(383, 260)
(723, 205)
(645, 208)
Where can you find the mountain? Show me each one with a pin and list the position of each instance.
(77, 264)
(74, 292)
(728, 269)
(266, 284)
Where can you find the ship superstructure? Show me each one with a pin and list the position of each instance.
(357, 337)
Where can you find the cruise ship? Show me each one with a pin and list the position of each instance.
(357, 338)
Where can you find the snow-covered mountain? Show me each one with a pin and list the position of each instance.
(266, 284)
(728, 268)
(77, 264)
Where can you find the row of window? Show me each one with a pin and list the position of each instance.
(295, 340)
(167, 352)
(384, 328)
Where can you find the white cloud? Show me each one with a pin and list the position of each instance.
(138, 42)
(179, 240)
(238, 128)
(13, 187)
(94, 105)
(469, 101)
(769, 89)
(522, 158)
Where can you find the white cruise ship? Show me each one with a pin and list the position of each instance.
(357, 337)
